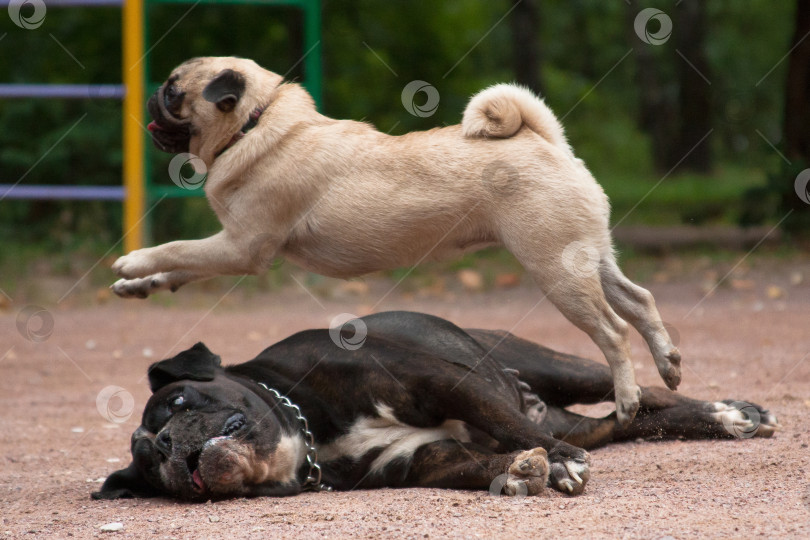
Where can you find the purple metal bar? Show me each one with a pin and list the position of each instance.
(66, 91)
(78, 193)
(75, 3)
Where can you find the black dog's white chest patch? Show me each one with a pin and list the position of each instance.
(397, 439)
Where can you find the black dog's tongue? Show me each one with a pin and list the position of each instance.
(197, 479)
(153, 126)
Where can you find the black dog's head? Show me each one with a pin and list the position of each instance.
(206, 435)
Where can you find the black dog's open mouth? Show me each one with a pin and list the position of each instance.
(233, 425)
(193, 463)
(169, 134)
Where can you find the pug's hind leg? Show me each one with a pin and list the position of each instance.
(637, 306)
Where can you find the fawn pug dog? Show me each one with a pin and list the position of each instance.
(340, 198)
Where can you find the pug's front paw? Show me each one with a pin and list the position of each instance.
(135, 264)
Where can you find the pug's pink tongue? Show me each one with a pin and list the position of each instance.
(195, 476)
(153, 126)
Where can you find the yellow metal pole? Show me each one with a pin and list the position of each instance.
(133, 65)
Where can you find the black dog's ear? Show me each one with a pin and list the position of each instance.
(195, 364)
(225, 89)
(125, 484)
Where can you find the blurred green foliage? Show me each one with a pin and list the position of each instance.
(371, 50)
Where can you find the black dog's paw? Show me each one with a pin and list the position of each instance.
(569, 469)
(743, 420)
(112, 495)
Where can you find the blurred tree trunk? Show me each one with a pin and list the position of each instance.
(295, 25)
(657, 107)
(694, 82)
(797, 88)
(582, 9)
(675, 111)
(657, 115)
(526, 57)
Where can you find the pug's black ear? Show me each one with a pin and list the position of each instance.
(125, 484)
(225, 89)
(195, 364)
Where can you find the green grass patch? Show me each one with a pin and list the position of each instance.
(690, 198)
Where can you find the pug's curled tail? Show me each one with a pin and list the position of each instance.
(499, 112)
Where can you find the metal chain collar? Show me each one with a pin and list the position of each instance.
(313, 480)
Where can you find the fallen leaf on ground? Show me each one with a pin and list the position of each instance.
(774, 292)
(471, 279)
(743, 284)
(507, 280)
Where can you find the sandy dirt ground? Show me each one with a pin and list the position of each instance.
(745, 342)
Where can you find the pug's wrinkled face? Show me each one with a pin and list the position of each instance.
(204, 103)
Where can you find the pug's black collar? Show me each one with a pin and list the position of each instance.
(253, 120)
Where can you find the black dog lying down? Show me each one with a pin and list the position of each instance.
(420, 403)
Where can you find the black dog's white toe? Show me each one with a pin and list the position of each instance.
(569, 476)
(743, 419)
